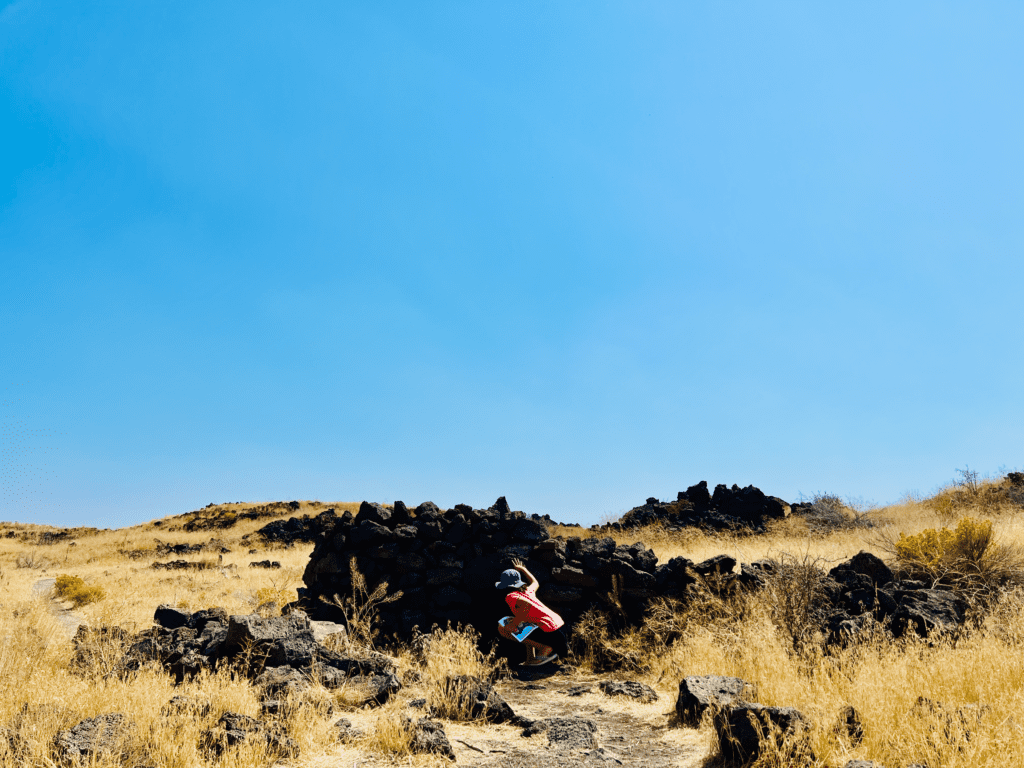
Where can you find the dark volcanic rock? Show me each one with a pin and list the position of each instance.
(476, 699)
(927, 611)
(190, 706)
(429, 736)
(629, 688)
(233, 729)
(863, 564)
(297, 529)
(849, 724)
(376, 689)
(281, 681)
(91, 739)
(169, 617)
(346, 731)
(740, 739)
(728, 508)
(698, 693)
(566, 732)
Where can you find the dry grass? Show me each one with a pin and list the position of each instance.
(766, 639)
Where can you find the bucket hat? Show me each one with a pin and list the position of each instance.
(510, 579)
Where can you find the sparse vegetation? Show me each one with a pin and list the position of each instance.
(361, 606)
(76, 591)
(770, 637)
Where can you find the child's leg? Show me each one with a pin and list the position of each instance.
(537, 649)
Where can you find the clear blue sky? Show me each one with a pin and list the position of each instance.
(573, 253)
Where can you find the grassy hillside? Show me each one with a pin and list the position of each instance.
(973, 681)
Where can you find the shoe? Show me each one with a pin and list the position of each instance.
(541, 660)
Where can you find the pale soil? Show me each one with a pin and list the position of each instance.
(629, 733)
(67, 620)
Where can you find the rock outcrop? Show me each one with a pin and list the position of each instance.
(445, 564)
(743, 730)
(725, 509)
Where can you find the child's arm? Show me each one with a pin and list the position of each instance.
(531, 580)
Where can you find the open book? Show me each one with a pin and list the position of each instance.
(524, 628)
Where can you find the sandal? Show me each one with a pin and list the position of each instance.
(541, 660)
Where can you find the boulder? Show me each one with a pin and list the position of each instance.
(201, 619)
(699, 693)
(849, 724)
(530, 531)
(863, 564)
(375, 690)
(470, 698)
(743, 729)
(369, 533)
(573, 577)
(91, 739)
(322, 630)
(233, 729)
(927, 611)
(346, 731)
(376, 513)
(629, 688)
(714, 566)
(565, 732)
(190, 706)
(277, 682)
(169, 617)
(428, 736)
(252, 629)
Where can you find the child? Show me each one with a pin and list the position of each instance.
(521, 597)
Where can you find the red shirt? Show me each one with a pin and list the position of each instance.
(536, 611)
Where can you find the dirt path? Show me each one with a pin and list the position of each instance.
(67, 620)
(629, 733)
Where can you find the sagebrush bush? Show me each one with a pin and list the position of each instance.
(967, 557)
(76, 591)
(935, 552)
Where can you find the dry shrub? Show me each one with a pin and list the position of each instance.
(32, 560)
(449, 653)
(76, 591)
(361, 608)
(969, 493)
(796, 595)
(828, 513)
(390, 734)
(968, 557)
(601, 640)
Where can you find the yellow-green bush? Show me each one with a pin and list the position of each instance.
(937, 551)
(75, 590)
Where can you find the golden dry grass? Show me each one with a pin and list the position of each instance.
(40, 692)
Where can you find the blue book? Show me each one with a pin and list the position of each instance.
(524, 628)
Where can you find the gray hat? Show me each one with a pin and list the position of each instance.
(510, 580)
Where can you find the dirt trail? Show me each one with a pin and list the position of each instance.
(67, 620)
(629, 733)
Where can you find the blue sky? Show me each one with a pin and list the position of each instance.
(576, 254)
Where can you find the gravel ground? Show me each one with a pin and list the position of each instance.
(628, 733)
